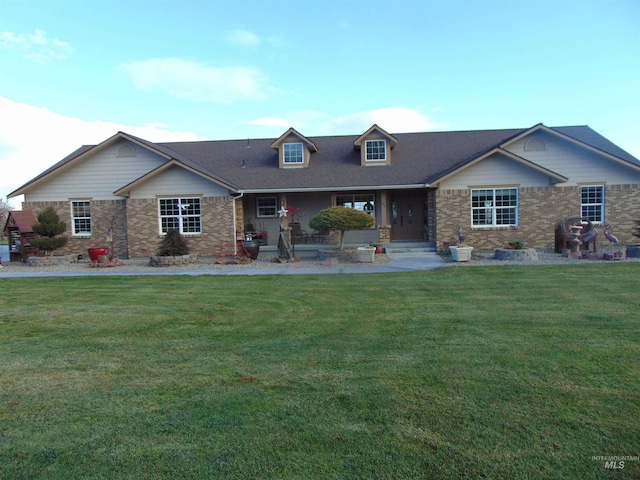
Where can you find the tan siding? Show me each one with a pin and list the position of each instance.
(496, 170)
(96, 177)
(180, 182)
(578, 164)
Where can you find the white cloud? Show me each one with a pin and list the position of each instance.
(243, 38)
(393, 120)
(196, 81)
(32, 139)
(35, 46)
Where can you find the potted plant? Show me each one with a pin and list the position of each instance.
(633, 251)
(460, 252)
(378, 246)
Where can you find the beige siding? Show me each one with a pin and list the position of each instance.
(96, 177)
(180, 182)
(496, 170)
(578, 164)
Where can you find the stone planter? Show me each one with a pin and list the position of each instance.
(633, 251)
(461, 254)
(366, 254)
(516, 255)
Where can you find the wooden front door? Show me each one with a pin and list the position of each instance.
(408, 215)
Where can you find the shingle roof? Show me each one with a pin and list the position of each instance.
(417, 159)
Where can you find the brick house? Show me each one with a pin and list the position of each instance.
(499, 185)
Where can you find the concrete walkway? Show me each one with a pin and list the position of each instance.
(399, 262)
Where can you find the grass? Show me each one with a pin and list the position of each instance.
(502, 373)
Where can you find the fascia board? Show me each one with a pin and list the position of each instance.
(335, 189)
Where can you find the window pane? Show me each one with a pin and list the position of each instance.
(293, 153)
(81, 213)
(593, 203)
(376, 149)
(182, 214)
(266, 207)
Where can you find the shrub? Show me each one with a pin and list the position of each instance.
(342, 219)
(48, 228)
(173, 245)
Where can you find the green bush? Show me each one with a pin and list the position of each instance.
(173, 245)
(48, 228)
(342, 219)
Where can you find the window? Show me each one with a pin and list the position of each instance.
(494, 207)
(364, 203)
(292, 153)
(592, 206)
(266, 207)
(182, 214)
(81, 215)
(376, 150)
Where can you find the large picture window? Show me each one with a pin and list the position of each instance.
(365, 203)
(182, 214)
(81, 216)
(494, 207)
(592, 206)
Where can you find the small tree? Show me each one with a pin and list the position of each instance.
(342, 219)
(173, 245)
(49, 227)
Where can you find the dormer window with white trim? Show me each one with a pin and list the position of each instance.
(293, 154)
(376, 150)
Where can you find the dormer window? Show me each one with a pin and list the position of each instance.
(375, 147)
(293, 154)
(376, 150)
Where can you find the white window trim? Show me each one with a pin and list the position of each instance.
(284, 154)
(73, 220)
(366, 151)
(602, 205)
(180, 216)
(275, 203)
(493, 208)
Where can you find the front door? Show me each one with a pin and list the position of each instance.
(408, 215)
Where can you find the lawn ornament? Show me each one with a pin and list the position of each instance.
(613, 240)
(460, 236)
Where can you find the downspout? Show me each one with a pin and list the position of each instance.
(235, 241)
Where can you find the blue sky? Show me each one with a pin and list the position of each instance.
(76, 72)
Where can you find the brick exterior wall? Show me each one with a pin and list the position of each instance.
(540, 210)
(103, 213)
(135, 226)
(217, 226)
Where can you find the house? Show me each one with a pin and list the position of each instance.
(499, 185)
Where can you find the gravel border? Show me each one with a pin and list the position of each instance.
(263, 262)
(485, 258)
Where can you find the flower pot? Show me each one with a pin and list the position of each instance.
(366, 254)
(252, 248)
(379, 249)
(461, 254)
(96, 252)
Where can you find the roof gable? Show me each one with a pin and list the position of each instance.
(357, 143)
(24, 220)
(292, 131)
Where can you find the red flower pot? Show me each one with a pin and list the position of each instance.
(96, 252)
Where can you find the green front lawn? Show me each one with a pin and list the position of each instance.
(469, 372)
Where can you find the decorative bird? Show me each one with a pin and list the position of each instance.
(591, 237)
(460, 236)
(613, 240)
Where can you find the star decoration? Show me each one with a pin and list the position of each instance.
(283, 212)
